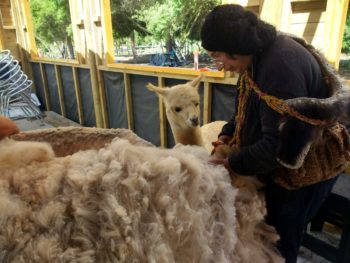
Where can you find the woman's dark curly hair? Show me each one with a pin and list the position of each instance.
(234, 30)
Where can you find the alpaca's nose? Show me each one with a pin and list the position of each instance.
(194, 120)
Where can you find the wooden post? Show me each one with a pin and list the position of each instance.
(207, 102)
(25, 35)
(277, 13)
(24, 25)
(77, 18)
(46, 86)
(108, 42)
(94, 46)
(2, 35)
(78, 95)
(60, 89)
(162, 118)
(95, 89)
(128, 101)
(336, 12)
(102, 91)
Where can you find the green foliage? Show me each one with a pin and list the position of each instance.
(346, 39)
(176, 19)
(141, 21)
(192, 14)
(124, 19)
(160, 19)
(53, 29)
(51, 19)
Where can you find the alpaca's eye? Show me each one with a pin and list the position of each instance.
(178, 109)
(196, 104)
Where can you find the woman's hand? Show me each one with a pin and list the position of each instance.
(225, 139)
(7, 127)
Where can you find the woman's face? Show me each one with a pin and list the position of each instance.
(234, 63)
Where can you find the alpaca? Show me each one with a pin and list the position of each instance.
(126, 201)
(23, 153)
(82, 178)
(182, 111)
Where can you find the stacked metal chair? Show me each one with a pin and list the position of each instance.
(16, 90)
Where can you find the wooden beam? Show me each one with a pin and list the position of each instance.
(24, 34)
(128, 101)
(21, 40)
(24, 13)
(93, 42)
(228, 80)
(60, 90)
(45, 86)
(245, 3)
(336, 12)
(60, 62)
(176, 71)
(77, 20)
(207, 102)
(277, 13)
(108, 56)
(101, 85)
(78, 95)
(162, 117)
(2, 34)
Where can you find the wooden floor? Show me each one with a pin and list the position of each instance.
(50, 120)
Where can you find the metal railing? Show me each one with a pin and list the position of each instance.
(16, 98)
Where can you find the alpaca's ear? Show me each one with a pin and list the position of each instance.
(158, 90)
(195, 83)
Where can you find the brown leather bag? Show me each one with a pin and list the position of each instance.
(327, 157)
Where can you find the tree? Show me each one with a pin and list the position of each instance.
(177, 19)
(191, 16)
(125, 22)
(346, 39)
(52, 24)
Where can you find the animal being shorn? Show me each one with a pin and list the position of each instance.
(106, 195)
(255, 237)
(112, 197)
(183, 113)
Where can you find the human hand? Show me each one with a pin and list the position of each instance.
(7, 127)
(225, 139)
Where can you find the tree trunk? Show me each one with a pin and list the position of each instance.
(63, 50)
(133, 45)
(70, 48)
(169, 44)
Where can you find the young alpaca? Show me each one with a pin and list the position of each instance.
(182, 111)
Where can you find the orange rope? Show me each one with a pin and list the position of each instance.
(279, 105)
(244, 92)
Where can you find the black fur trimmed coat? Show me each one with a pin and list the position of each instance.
(294, 71)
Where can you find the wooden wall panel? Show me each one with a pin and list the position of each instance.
(6, 14)
(8, 34)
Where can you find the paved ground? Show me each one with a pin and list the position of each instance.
(51, 120)
(307, 256)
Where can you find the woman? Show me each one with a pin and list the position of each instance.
(279, 66)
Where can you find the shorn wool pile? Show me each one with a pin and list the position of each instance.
(126, 201)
